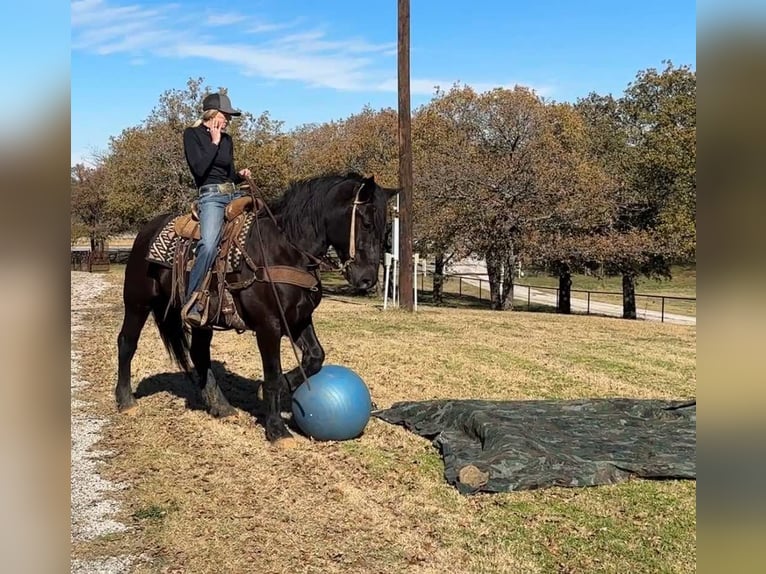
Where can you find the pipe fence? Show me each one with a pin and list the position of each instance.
(589, 301)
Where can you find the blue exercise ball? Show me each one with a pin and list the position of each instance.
(335, 405)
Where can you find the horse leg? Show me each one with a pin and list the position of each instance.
(127, 342)
(273, 382)
(214, 400)
(311, 360)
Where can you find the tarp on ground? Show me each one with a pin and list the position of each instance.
(491, 446)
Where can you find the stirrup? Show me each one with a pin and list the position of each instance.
(195, 299)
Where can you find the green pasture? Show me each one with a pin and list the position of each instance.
(207, 495)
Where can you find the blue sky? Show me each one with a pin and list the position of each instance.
(318, 60)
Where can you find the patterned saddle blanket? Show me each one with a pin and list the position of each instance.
(165, 247)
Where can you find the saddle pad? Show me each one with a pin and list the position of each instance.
(162, 251)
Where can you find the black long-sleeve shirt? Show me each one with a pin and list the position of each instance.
(209, 163)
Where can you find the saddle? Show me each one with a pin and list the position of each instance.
(215, 298)
(187, 226)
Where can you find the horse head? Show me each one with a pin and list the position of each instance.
(356, 228)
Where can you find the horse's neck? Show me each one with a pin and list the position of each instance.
(306, 238)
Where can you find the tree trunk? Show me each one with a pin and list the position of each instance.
(565, 290)
(629, 296)
(507, 302)
(494, 272)
(438, 288)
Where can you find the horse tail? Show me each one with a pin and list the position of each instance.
(142, 285)
(173, 335)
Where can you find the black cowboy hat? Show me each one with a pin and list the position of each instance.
(220, 102)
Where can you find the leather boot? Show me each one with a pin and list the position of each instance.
(191, 312)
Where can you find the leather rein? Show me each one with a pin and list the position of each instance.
(267, 268)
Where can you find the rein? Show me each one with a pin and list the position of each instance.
(352, 254)
(253, 188)
(352, 233)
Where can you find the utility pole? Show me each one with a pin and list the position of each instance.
(406, 298)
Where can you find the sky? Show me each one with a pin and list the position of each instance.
(312, 61)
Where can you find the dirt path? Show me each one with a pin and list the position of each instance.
(92, 510)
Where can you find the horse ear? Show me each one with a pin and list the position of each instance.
(367, 191)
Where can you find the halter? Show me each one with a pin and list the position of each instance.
(352, 233)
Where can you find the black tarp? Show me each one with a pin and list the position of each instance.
(491, 446)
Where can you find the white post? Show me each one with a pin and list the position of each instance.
(415, 257)
(387, 272)
(395, 254)
(394, 275)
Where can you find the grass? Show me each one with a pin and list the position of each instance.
(208, 495)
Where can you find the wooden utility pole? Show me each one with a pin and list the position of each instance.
(406, 299)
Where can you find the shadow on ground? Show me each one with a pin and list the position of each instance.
(241, 392)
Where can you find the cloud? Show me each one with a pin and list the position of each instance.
(310, 56)
(265, 27)
(224, 19)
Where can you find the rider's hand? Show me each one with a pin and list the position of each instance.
(215, 132)
(245, 172)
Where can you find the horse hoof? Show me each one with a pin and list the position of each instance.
(130, 410)
(287, 443)
(224, 412)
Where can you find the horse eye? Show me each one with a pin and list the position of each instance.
(366, 222)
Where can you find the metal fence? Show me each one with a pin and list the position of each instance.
(590, 302)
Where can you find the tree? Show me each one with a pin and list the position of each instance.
(661, 112)
(364, 142)
(436, 216)
(263, 146)
(578, 194)
(89, 211)
(646, 143)
(499, 169)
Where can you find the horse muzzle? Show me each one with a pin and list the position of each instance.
(361, 278)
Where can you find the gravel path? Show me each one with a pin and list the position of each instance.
(91, 508)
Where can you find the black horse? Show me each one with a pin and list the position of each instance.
(311, 216)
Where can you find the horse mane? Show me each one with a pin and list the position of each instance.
(305, 199)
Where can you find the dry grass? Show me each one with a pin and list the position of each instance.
(206, 495)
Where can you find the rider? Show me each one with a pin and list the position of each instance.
(209, 152)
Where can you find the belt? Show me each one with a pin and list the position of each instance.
(227, 187)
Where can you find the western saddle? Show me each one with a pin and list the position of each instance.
(214, 296)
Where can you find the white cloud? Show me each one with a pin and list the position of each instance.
(224, 19)
(309, 56)
(260, 27)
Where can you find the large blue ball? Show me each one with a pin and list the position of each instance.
(335, 405)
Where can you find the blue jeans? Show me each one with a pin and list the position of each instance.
(211, 206)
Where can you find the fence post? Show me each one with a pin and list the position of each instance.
(588, 311)
(529, 298)
(662, 314)
(460, 286)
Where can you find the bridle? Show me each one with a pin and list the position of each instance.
(352, 233)
(351, 252)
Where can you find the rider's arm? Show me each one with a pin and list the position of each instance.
(199, 153)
